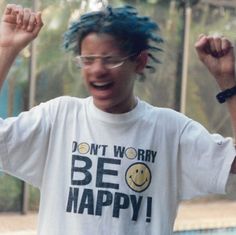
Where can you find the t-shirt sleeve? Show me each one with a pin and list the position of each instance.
(24, 143)
(205, 160)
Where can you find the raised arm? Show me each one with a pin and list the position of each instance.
(19, 26)
(217, 54)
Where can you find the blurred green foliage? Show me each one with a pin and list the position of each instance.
(10, 194)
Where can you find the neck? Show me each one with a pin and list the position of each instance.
(123, 107)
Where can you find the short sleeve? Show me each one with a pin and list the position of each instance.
(205, 160)
(24, 143)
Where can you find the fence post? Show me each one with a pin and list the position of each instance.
(32, 81)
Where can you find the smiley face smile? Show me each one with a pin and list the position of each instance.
(138, 185)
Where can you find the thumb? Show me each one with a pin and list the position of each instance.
(202, 47)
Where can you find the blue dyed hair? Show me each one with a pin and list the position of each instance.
(133, 32)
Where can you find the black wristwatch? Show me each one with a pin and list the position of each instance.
(226, 94)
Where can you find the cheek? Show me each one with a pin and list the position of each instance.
(85, 79)
(126, 74)
(84, 75)
(127, 79)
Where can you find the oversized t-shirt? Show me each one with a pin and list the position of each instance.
(112, 174)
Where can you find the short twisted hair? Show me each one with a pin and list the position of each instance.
(134, 33)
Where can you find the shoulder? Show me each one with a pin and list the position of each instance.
(67, 100)
(165, 119)
(63, 102)
(166, 114)
(60, 106)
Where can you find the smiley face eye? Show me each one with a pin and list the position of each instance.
(137, 171)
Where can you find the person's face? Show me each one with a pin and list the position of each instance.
(111, 88)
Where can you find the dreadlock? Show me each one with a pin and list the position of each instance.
(133, 32)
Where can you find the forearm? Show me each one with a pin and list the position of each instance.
(7, 57)
(225, 83)
(231, 104)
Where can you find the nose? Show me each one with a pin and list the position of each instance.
(98, 68)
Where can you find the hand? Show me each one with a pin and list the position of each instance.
(218, 55)
(19, 26)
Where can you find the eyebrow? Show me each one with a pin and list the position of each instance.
(102, 56)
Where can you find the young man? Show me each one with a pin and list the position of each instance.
(111, 163)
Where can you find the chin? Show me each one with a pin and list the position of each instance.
(109, 105)
(104, 104)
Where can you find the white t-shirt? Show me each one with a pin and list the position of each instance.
(112, 174)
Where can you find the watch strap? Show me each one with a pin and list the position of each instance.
(226, 94)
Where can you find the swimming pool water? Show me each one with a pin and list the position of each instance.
(223, 231)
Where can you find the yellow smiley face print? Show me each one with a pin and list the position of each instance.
(138, 177)
(130, 153)
(83, 148)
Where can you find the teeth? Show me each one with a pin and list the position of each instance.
(100, 84)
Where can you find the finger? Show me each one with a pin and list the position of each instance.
(8, 9)
(202, 46)
(201, 42)
(201, 36)
(217, 44)
(212, 48)
(15, 10)
(10, 14)
(218, 47)
(32, 22)
(20, 15)
(39, 23)
(26, 17)
(226, 45)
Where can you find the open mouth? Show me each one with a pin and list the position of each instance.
(102, 85)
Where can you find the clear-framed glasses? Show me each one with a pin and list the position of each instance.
(109, 62)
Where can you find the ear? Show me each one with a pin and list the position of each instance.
(141, 60)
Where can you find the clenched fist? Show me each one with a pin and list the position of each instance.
(19, 26)
(217, 54)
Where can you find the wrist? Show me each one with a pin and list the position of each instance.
(7, 57)
(226, 82)
(226, 94)
(8, 52)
